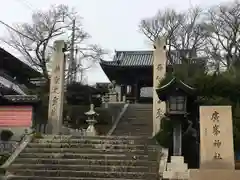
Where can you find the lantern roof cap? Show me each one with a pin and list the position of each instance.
(91, 111)
(174, 84)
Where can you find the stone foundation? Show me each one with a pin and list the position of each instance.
(218, 174)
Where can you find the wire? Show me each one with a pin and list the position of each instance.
(26, 4)
(10, 27)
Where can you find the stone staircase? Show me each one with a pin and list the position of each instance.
(137, 121)
(87, 158)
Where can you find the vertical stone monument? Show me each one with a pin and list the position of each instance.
(56, 96)
(216, 145)
(216, 137)
(159, 70)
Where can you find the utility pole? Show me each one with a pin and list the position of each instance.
(72, 63)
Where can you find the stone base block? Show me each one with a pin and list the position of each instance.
(218, 174)
(177, 159)
(177, 167)
(170, 175)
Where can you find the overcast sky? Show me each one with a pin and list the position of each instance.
(113, 24)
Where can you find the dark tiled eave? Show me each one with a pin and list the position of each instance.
(22, 98)
(164, 90)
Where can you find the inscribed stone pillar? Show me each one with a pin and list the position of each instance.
(56, 96)
(216, 138)
(159, 70)
(121, 92)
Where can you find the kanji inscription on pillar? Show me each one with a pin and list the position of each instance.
(216, 138)
(159, 70)
(57, 88)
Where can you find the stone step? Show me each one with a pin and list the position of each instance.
(110, 162)
(99, 174)
(61, 178)
(138, 113)
(82, 140)
(94, 137)
(140, 107)
(142, 127)
(132, 133)
(83, 168)
(86, 156)
(85, 150)
(132, 110)
(138, 118)
(96, 146)
(142, 111)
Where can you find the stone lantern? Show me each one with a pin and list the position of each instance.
(178, 97)
(91, 115)
(175, 94)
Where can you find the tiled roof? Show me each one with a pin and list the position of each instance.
(145, 58)
(131, 58)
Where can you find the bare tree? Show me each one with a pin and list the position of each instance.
(223, 26)
(34, 40)
(183, 31)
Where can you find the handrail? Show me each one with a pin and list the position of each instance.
(24, 142)
(124, 109)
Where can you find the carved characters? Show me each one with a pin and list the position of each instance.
(159, 113)
(55, 91)
(217, 156)
(57, 69)
(216, 131)
(215, 117)
(159, 67)
(217, 143)
(56, 80)
(158, 78)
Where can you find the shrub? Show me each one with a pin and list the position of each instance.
(3, 158)
(6, 135)
(37, 135)
(164, 136)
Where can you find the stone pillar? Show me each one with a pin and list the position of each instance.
(105, 100)
(177, 140)
(113, 95)
(124, 98)
(136, 92)
(56, 96)
(121, 92)
(159, 70)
